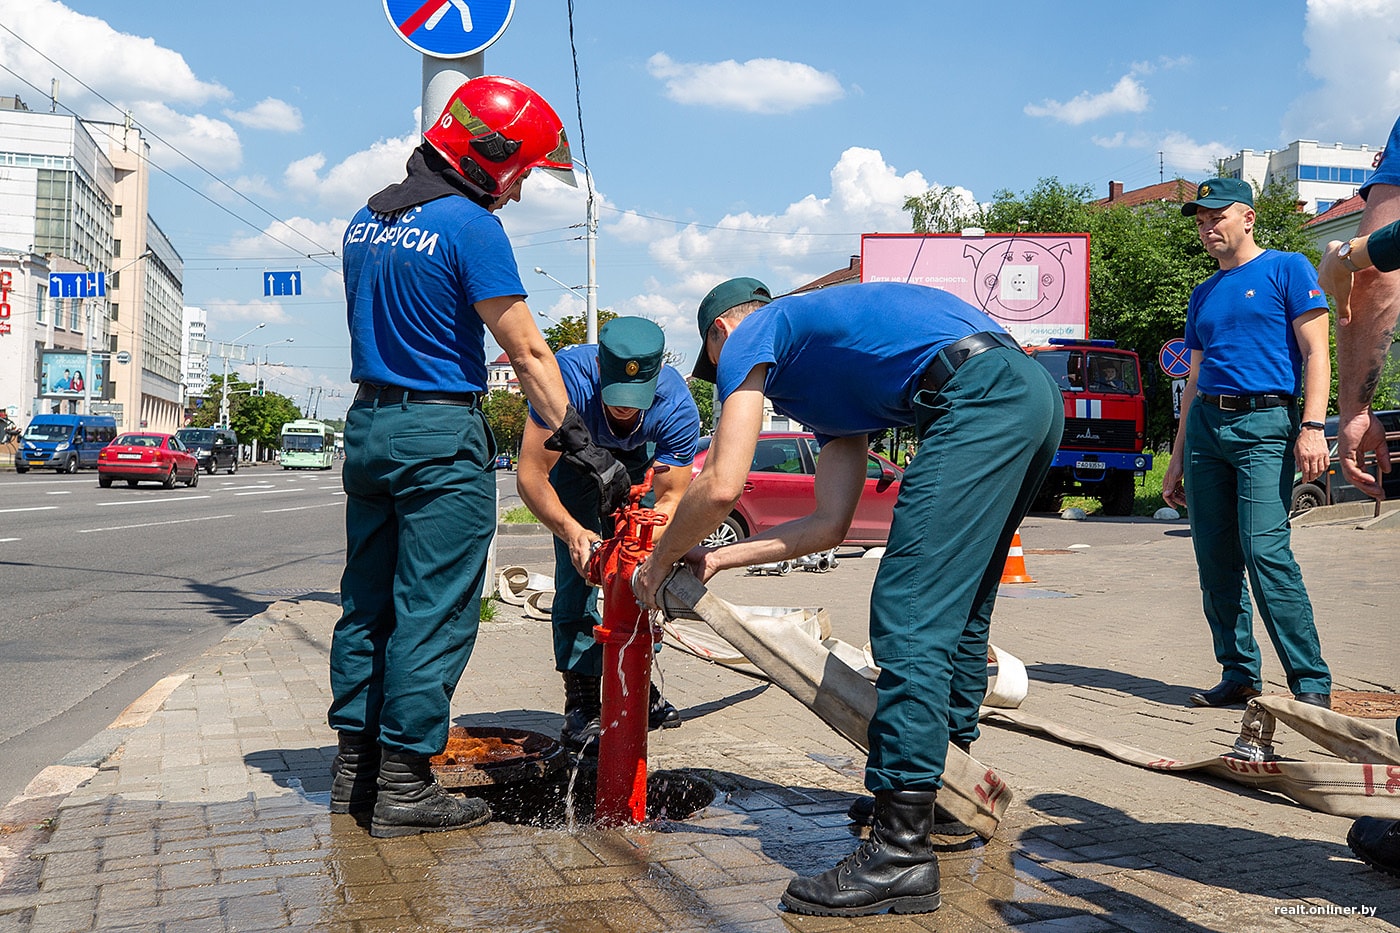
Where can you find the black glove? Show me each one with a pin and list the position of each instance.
(575, 444)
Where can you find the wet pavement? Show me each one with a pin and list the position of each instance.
(204, 807)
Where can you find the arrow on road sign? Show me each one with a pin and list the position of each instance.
(282, 283)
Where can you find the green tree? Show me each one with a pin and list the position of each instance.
(506, 413)
(1050, 207)
(704, 394)
(942, 210)
(572, 330)
(251, 417)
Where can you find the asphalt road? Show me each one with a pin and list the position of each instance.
(108, 590)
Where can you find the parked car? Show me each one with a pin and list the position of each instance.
(214, 448)
(150, 456)
(780, 488)
(1332, 487)
(503, 461)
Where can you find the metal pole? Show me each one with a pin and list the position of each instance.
(87, 374)
(441, 77)
(592, 240)
(223, 401)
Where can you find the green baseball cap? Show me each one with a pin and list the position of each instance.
(1220, 192)
(721, 298)
(629, 361)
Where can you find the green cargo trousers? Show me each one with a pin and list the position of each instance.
(987, 440)
(1239, 481)
(574, 610)
(419, 517)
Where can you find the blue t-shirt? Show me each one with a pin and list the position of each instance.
(410, 288)
(1242, 319)
(844, 360)
(1388, 172)
(672, 422)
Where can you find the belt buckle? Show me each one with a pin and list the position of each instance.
(1229, 403)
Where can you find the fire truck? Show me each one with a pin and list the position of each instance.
(1101, 453)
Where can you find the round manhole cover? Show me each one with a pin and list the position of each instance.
(1364, 705)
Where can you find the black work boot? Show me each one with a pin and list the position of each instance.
(895, 869)
(583, 713)
(354, 773)
(410, 801)
(862, 813)
(1377, 843)
(660, 713)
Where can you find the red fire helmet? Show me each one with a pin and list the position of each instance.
(494, 129)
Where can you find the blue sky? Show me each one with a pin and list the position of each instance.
(725, 138)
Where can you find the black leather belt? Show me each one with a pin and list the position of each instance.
(1246, 402)
(947, 360)
(370, 392)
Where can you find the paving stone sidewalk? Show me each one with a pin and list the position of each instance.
(209, 812)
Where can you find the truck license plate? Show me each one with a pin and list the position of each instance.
(1088, 465)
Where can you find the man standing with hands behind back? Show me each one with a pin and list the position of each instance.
(1257, 332)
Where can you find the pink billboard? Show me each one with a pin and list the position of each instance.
(1036, 285)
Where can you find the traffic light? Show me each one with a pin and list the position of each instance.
(262, 388)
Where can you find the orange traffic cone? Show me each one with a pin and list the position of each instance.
(1015, 570)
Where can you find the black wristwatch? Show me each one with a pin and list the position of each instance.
(1314, 424)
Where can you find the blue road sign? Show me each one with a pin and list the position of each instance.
(78, 284)
(1174, 358)
(281, 283)
(449, 28)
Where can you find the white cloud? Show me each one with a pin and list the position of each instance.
(807, 239)
(269, 114)
(760, 85)
(1354, 52)
(1190, 158)
(297, 237)
(346, 185)
(210, 142)
(1127, 96)
(228, 313)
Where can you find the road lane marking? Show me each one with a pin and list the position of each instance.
(298, 508)
(177, 521)
(60, 492)
(32, 508)
(7, 540)
(157, 501)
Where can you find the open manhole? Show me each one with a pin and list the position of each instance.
(482, 756)
(1366, 705)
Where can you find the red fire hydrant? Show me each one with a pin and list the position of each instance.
(627, 636)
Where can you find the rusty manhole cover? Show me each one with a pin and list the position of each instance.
(1366, 705)
(481, 756)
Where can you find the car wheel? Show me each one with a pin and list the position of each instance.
(1307, 496)
(131, 484)
(1119, 495)
(170, 478)
(193, 481)
(70, 466)
(21, 469)
(730, 532)
(211, 466)
(105, 482)
(233, 465)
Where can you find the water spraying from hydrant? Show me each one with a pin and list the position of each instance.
(627, 636)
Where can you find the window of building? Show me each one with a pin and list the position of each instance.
(1324, 206)
(40, 308)
(116, 311)
(1337, 173)
(116, 210)
(116, 247)
(75, 315)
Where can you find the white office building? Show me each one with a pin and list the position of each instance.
(73, 198)
(1321, 174)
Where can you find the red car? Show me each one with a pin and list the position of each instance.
(159, 457)
(780, 488)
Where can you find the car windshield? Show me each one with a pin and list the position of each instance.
(196, 437)
(138, 440)
(313, 443)
(47, 432)
(1110, 372)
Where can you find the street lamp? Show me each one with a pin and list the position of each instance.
(572, 288)
(258, 359)
(223, 403)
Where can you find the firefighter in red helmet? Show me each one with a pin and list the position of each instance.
(428, 270)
